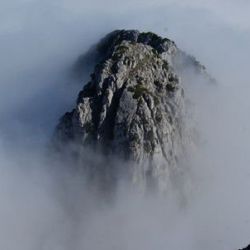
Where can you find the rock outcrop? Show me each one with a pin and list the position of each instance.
(133, 106)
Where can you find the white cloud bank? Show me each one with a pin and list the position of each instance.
(44, 210)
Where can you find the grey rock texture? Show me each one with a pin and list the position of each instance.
(133, 106)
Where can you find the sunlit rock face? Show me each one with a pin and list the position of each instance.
(133, 107)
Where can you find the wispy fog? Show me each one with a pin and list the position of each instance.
(45, 205)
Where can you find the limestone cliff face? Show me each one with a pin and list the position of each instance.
(133, 106)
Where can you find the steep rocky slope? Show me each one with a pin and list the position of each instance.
(133, 106)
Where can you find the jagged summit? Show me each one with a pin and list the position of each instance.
(133, 105)
(104, 47)
(163, 46)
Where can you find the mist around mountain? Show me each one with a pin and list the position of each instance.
(46, 203)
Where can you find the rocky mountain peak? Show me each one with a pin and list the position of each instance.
(133, 105)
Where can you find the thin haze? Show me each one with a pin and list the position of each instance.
(42, 208)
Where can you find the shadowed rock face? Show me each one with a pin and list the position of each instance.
(133, 105)
(247, 248)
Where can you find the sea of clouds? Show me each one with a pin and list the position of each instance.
(45, 205)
